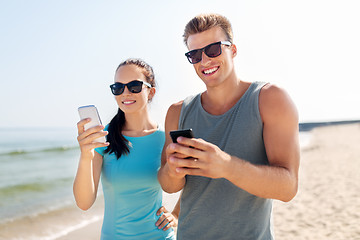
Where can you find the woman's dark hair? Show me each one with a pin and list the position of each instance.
(118, 143)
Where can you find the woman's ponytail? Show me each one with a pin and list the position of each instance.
(118, 143)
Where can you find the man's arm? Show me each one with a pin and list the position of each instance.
(279, 179)
(170, 180)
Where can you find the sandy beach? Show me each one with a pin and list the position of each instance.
(327, 205)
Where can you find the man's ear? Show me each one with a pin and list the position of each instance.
(234, 50)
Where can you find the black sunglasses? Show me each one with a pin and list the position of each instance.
(212, 50)
(134, 86)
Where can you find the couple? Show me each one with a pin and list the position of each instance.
(245, 151)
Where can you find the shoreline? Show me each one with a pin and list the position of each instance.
(325, 207)
(66, 223)
(54, 224)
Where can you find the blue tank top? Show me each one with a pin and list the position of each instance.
(132, 193)
(216, 208)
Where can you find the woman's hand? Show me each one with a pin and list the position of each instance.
(86, 138)
(166, 220)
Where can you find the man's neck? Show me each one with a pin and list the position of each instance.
(218, 100)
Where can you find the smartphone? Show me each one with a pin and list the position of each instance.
(181, 133)
(90, 111)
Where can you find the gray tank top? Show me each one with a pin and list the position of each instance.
(215, 208)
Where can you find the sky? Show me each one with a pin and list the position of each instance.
(58, 55)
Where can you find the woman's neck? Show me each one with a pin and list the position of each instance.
(137, 125)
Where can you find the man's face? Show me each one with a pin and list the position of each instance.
(213, 71)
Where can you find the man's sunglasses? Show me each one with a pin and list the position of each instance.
(134, 86)
(212, 50)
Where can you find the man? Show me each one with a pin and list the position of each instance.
(245, 151)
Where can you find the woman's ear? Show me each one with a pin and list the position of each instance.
(151, 94)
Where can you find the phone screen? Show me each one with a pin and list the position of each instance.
(181, 133)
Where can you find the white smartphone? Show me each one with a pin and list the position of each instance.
(90, 111)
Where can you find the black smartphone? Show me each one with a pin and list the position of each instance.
(181, 133)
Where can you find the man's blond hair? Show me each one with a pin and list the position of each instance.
(204, 22)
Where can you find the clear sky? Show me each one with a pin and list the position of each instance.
(58, 55)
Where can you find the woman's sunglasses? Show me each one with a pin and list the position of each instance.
(134, 86)
(212, 50)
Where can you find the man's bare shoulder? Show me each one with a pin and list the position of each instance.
(271, 89)
(275, 101)
(272, 93)
(173, 116)
(175, 107)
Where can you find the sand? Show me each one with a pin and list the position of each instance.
(327, 205)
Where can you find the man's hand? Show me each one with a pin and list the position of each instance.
(197, 157)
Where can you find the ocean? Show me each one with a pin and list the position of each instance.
(37, 172)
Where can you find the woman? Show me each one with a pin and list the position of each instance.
(127, 162)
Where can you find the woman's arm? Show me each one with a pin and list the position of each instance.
(89, 169)
(86, 181)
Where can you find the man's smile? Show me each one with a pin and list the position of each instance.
(210, 70)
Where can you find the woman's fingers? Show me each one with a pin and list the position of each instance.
(87, 138)
(166, 220)
(161, 210)
(81, 124)
(92, 133)
(171, 224)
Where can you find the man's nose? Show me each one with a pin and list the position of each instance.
(204, 59)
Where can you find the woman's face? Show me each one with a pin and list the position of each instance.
(130, 102)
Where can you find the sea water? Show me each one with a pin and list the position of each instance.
(37, 169)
